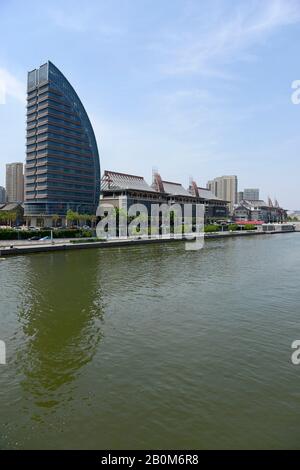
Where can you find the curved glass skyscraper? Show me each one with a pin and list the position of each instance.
(62, 160)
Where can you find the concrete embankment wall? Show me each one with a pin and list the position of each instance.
(20, 250)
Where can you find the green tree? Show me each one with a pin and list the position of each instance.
(71, 217)
(55, 219)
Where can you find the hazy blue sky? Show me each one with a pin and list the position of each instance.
(195, 88)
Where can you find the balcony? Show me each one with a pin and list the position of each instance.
(43, 105)
(30, 134)
(42, 154)
(31, 103)
(29, 166)
(42, 131)
(31, 112)
(40, 140)
(32, 117)
(43, 113)
(31, 95)
(30, 161)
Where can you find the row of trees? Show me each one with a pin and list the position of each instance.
(8, 217)
(11, 217)
(78, 219)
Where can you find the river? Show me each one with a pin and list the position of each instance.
(152, 347)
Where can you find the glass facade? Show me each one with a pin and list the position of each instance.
(62, 161)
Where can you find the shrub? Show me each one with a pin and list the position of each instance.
(86, 233)
(211, 228)
(10, 234)
(88, 240)
(7, 234)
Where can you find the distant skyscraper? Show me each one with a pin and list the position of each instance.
(251, 194)
(62, 162)
(2, 195)
(14, 182)
(240, 196)
(225, 188)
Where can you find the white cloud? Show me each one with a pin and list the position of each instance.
(206, 51)
(12, 86)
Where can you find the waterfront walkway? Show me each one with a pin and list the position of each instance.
(20, 247)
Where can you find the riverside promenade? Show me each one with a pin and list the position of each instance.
(21, 247)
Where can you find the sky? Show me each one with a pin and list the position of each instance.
(192, 88)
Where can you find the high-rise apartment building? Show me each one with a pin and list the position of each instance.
(240, 196)
(225, 188)
(2, 195)
(62, 160)
(251, 194)
(14, 182)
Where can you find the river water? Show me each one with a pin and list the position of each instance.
(152, 347)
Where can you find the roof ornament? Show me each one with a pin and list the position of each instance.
(194, 188)
(157, 183)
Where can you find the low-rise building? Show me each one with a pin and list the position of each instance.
(215, 208)
(294, 215)
(173, 193)
(11, 214)
(123, 190)
(259, 211)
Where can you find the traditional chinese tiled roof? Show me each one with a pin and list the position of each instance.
(112, 180)
(175, 189)
(207, 194)
(203, 193)
(10, 206)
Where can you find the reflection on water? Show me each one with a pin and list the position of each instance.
(61, 314)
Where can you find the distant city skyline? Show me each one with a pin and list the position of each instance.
(193, 88)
